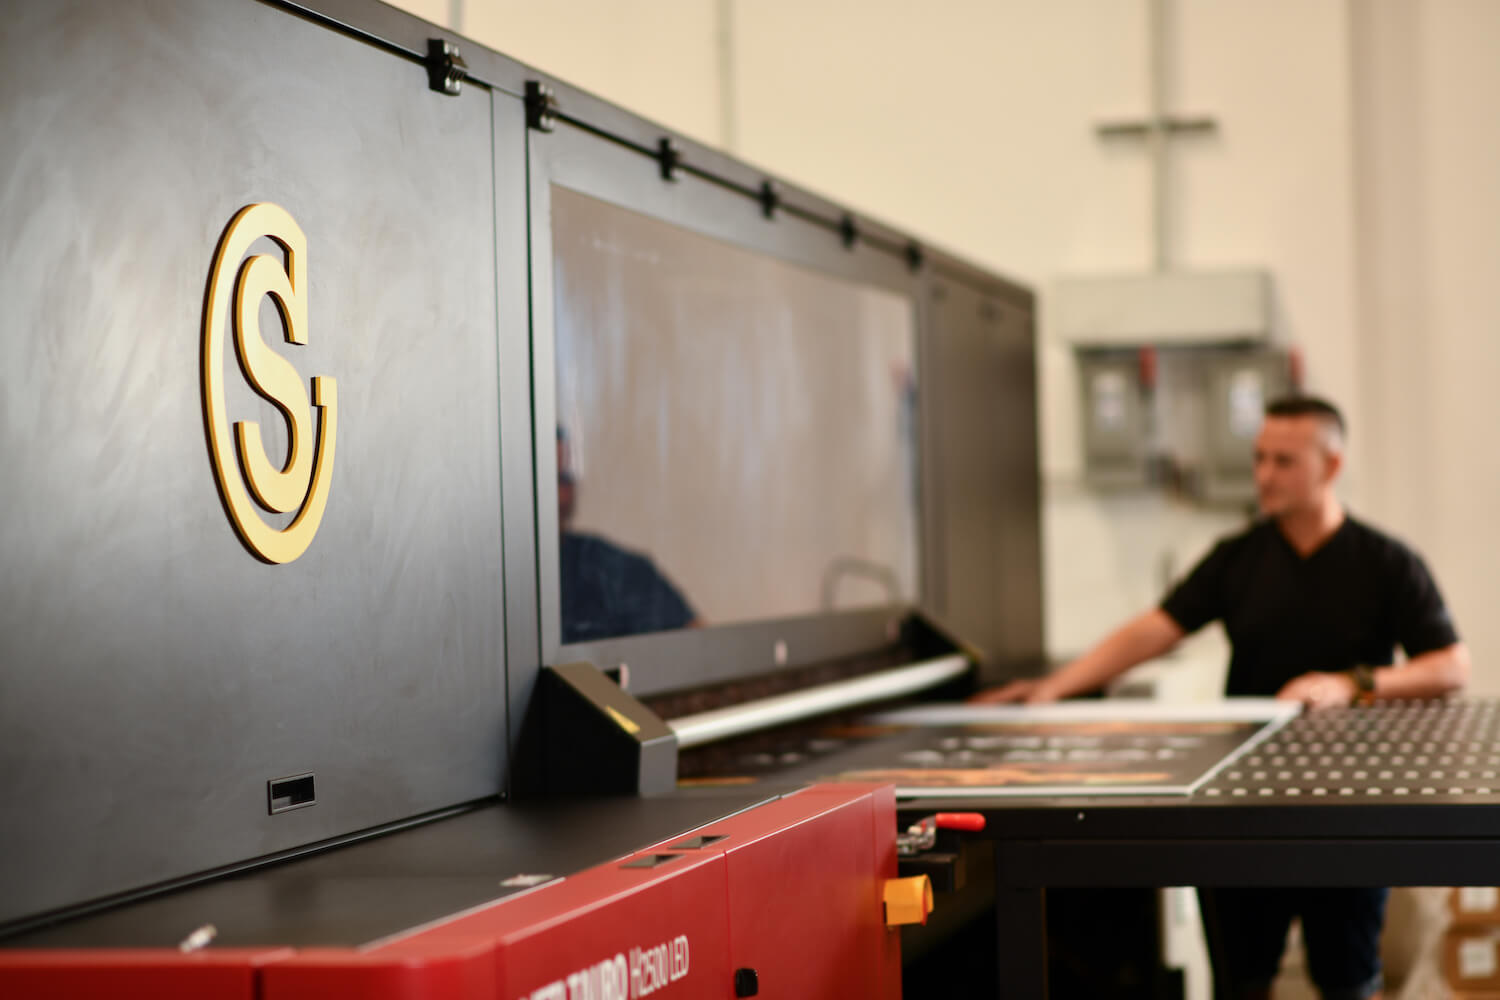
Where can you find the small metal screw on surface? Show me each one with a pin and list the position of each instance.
(199, 939)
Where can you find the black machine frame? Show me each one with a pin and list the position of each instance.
(530, 114)
(1154, 844)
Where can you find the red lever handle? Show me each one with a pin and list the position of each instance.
(973, 822)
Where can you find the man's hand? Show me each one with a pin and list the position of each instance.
(1320, 690)
(1031, 691)
(1138, 640)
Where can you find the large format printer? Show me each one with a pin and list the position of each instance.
(453, 529)
(430, 489)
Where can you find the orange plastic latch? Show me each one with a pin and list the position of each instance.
(907, 900)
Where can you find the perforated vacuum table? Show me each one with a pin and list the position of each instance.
(1392, 794)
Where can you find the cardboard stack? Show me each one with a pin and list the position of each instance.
(1471, 945)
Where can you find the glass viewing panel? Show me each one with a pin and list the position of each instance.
(736, 434)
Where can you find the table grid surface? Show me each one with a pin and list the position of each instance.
(1398, 750)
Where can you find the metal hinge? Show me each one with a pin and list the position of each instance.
(541, 106)
(446, 69)
(848, 231)
(670, 157)
(915, 256)
(770, 199)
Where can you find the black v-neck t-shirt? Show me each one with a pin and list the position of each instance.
(1350, 602)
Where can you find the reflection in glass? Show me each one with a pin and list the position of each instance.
(736, 434)
(607, 591)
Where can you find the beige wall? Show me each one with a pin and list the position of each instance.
(659, 58)
(1359, 141)
(1428, 145)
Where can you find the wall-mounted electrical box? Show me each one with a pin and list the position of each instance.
(1239, 385)
(1116, 428)
(1175, 370)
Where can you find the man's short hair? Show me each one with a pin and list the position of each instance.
(1310, 406)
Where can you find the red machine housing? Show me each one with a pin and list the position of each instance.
(783, 899)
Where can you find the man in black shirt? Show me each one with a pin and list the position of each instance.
(1315, 604)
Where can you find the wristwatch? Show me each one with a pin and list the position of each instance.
(1364, 684)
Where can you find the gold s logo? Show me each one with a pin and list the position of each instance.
(236, 295)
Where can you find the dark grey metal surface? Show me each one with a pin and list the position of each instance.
(381, 887)
(983, 512)
(523, 654)
(155, 673)
(1017, 645)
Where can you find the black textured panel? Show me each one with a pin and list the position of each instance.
(158, 673)
(361, 893)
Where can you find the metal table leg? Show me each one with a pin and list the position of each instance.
(1021, 943)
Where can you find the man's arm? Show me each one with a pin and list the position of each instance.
(1431, 675)
(1138, 640)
